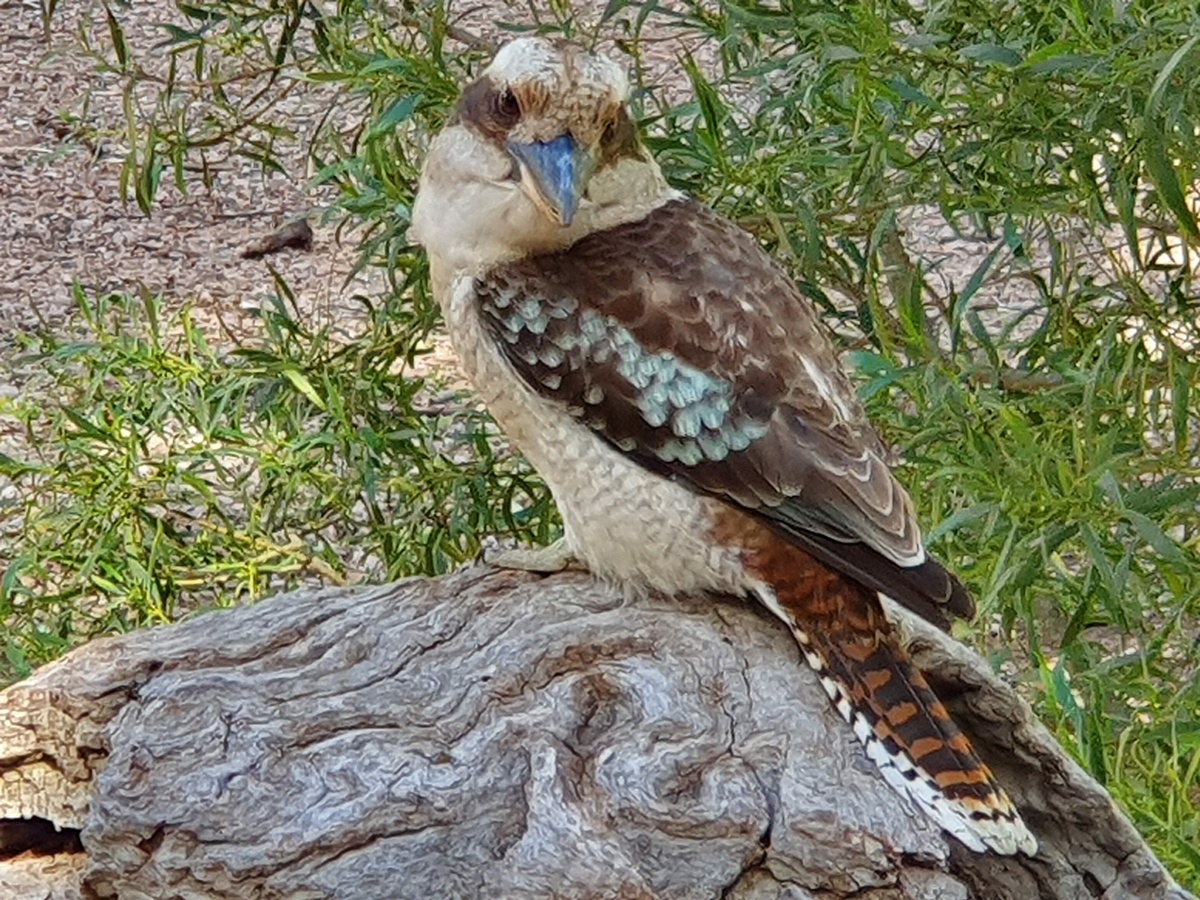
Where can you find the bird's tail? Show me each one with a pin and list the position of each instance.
(907, 732)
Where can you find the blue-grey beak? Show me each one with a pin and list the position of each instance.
(554, 173)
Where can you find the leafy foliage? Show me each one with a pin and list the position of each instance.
(175, 476)
(1053, 449)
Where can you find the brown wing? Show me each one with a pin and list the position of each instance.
(678, 340)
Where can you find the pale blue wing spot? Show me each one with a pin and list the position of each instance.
(713, 413)
(628, 352)
(738, 440)
(653, 415)
(686, 423)
(686, 452)
(634, 377)
(695, 403)
(592, 328)
(552, 356)
(658, 395)
(567, 341)
(659, 367)
(685, 392)
(739, 437)
(713, 448)
(563, 308)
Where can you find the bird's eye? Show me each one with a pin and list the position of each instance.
(508, 110)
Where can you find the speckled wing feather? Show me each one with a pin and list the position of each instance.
(678, 340)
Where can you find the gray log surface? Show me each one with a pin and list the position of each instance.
(499, 735)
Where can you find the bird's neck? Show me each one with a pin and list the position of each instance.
(627, 190)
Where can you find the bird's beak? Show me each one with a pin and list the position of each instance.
(553, 174)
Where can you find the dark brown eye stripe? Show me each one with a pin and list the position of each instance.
(620, 140)
(490, 110)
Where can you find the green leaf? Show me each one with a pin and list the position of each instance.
(881, 372)
(118, 38)
(13, 468)
(1181, 411)
(1159, 88)
(200, 14)
(1150, 532)
(48, 8)
(841, 53)
(760, 19)
(1049, 51)
(398, 112)
(963, 517)
(300, 381)
(969, 290)
(9, 582)
(1066, 62)
(1184, 846)
(1166, 179)
(1158, 498)
(612, 8)
(991, 53)
(145, 188)
(1040, 549)
(907, 92)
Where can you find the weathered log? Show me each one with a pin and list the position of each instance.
(491, 734)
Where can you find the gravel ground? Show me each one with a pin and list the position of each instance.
(60, 208)
(64, 220)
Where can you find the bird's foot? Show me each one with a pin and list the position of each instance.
(556, 557)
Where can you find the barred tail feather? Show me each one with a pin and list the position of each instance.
(920, 751)
(905, 729)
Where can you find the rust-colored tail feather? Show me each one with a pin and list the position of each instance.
(907, 732)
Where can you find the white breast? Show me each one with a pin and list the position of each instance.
(627, 524)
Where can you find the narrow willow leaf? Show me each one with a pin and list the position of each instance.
(117, 35)
(1166, 179)
(394, 115)
(991, 53)
(1150, 532)
(1181, 389)
(1159, 88)
(963, 517)
(48, 8)
(969, 291)
(300, 381)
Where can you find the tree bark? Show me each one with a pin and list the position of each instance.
(494, 734)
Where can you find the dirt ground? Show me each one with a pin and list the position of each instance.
(63, 218)
(61, 212)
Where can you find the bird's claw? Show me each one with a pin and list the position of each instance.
(556, 557)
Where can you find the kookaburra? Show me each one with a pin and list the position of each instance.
(684, 404)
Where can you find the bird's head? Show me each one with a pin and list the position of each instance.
(550, 107)
(540, 150)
